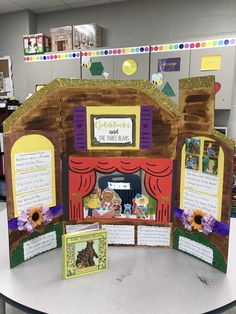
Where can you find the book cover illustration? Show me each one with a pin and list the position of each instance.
(84, 252)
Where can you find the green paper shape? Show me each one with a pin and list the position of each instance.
(96, 68)
(17, 256)
(218, 259)
(167, 90)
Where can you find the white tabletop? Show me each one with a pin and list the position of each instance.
(139, 280)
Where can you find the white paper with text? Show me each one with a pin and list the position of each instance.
(153, 236)
(118, 234)
(39, 245)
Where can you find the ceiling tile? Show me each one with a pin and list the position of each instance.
(7, 7)
(52, 9)
(88, 3)
(29, 4)
(42, 6)
(73, 1)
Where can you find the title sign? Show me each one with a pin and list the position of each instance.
(113, 130)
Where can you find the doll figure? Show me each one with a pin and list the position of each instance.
(107, 199)
(117, 207)
(140, 204)
(93, 201)
(127, 210)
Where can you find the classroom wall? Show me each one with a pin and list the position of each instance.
(142, 22)
(139, 22)
(12, 27)
(134, 22)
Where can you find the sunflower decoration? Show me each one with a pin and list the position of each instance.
(196, 219)
(35, 216)
(201, 221)
(32, 218)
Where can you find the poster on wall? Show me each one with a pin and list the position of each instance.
(210, 63)
(169, 65)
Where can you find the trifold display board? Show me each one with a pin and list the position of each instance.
(120, 153)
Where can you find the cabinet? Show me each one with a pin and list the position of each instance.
(108, 63)
(224, 75)
(169, 80)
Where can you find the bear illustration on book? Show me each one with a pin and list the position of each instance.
(85, 257)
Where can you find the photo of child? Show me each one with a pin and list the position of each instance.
(191, 162)
(211, 149)
(209, 165)
(192, 145)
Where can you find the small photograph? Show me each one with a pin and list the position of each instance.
(191, 162)
(192, 145)
(209, 165)
(211, 149)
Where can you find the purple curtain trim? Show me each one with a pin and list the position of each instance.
(12, 224)
(221, 228)
(179, 213)
(56, 210)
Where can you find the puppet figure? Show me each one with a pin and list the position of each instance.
(93, 201)
(127, 210)
(117, 207)
(107, 198)
(140, 203)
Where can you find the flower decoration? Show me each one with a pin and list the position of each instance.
(35, 216)
(31, 218)
(201, 221)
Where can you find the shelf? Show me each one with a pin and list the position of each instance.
(189, 45)
(70, 55)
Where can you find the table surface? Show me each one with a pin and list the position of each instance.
(138, 280)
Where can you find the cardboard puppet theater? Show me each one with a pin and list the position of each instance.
(120, 153)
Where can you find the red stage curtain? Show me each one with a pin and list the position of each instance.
(158, 180)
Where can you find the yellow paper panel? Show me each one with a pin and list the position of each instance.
(33, 173)
(211, 63)
(206, 188)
